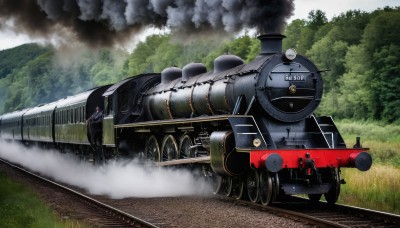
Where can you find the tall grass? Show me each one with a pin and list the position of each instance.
(19, 207)
(378, 188)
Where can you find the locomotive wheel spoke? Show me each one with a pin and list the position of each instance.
(217, 184)
(185, 143)
(333, 194)
(223, 185)
(169, 148)
(227, 185)
(238, 188)
(252, 185)
(152, 150)
(266, 187)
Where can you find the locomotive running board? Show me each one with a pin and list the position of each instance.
(178, 121)
(205, 159)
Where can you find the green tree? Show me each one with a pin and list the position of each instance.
(349, 26)
(354, 97)
(293, 32)
(381, 43)
(386, 75)
(16, 58)
(316, 20)
(328, 54)
(166, 55)
(138, 61)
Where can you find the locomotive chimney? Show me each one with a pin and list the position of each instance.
(271, 43)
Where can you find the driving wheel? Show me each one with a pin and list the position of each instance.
(169, 148)
(152, 150)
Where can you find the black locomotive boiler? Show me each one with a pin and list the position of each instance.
(249, 127)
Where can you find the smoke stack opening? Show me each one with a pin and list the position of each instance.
(271, 43)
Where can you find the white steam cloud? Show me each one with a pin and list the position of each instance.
(117, 180)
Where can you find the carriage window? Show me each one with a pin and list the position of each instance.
(78, 115)
(75, 115)
(81, 114)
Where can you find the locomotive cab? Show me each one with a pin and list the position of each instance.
(123, 105)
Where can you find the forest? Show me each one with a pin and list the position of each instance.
(358, 52)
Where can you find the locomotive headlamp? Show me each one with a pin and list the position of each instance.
(256, 142)
(290, 54)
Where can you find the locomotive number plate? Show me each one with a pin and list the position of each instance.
(295, 78)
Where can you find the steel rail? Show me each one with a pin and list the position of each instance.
(324, 215)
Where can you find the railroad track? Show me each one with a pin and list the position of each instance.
(324, 215)
(106, 216)
(344, 215)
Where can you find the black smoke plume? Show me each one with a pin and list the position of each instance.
(106, 22)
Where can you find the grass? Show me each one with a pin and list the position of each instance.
(379, 187)
(20, 207)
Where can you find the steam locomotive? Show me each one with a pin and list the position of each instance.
(249, 127)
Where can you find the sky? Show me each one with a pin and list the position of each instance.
(9, 39)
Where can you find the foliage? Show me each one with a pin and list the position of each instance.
(15, 58)
(364, 59)
(48, 75)
(161, 51)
